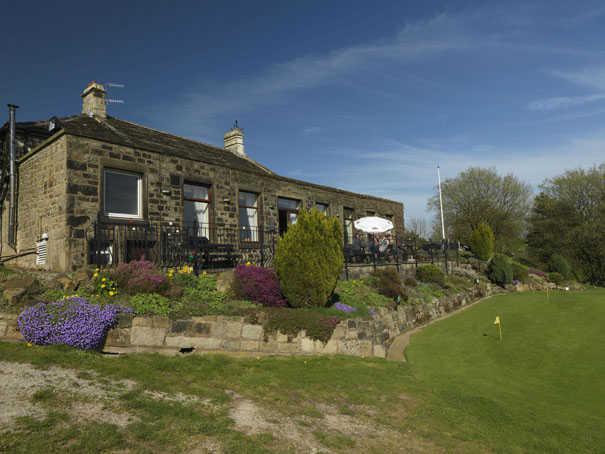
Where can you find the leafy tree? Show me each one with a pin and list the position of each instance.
(309, 259)
(568, 219)
(483, 242)
(479, 196)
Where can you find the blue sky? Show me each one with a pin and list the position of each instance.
(367, 96)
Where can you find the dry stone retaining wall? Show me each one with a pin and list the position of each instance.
(355, 337)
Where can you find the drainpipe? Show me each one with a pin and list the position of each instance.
(12, 180)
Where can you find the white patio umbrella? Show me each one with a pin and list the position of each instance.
(373, 224)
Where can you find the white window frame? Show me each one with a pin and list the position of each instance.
(139, 176)
(253, 230)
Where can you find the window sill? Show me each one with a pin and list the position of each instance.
(123, 220)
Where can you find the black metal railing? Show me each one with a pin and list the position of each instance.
(168, 245)
(400, 252)
(212, 246)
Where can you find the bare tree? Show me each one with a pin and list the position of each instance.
(419, 227)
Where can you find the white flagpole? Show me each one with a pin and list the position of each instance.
(441, 205)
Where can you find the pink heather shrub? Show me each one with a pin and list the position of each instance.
(258, 284)
(139, 276)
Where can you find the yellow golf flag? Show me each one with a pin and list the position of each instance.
(499, 324)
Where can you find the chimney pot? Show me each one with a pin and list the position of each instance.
(234, 140)
(93, 100)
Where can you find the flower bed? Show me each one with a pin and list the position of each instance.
(73, 321)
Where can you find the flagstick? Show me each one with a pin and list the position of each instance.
(500, 329)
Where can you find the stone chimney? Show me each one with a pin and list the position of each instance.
(234, 140)
(93, 100)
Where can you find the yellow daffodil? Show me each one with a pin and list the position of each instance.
(95, 275)
(104, 279)
(103, 285)
(29, 344)
(111, 293)
(248, 263)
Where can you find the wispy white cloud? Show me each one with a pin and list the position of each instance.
(473, 30)
(590, 76)
(416, 40)
(563, 102)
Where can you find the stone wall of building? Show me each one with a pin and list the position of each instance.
(354, 337)
(42, 205)
(163, 202)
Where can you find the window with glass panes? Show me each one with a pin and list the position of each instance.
(322, 207)
(348, 225)
(248, 215)
(196, 209)
(122, 194)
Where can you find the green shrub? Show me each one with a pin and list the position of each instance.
(204, 293)
(559, 264)
(309, 259)
(200, 308)
(430, 273)
(388, 283)
(358, 294)
(520, 272)
(5, 272)
(291, 321)
(150, 304)
(556, 278)
(52, 295)
(184, 280)
(500, 270)
(482, 242)
(425, 293)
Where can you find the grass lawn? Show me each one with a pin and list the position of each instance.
(541, 390)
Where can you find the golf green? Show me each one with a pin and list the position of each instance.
(541, 389)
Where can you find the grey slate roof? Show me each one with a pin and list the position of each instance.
(121, 132)
(125, 133)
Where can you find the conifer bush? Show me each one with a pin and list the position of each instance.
(559, 264)
(500, 270)
(483, 242)
(309, 259)
(556, 278)
(520, 272)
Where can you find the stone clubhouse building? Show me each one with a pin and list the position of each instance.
(92, 188)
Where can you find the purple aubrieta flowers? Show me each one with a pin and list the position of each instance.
(344, 307)
(73, 321)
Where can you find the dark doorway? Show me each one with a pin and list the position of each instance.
(288, 212)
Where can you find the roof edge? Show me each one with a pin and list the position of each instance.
(263, 171)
